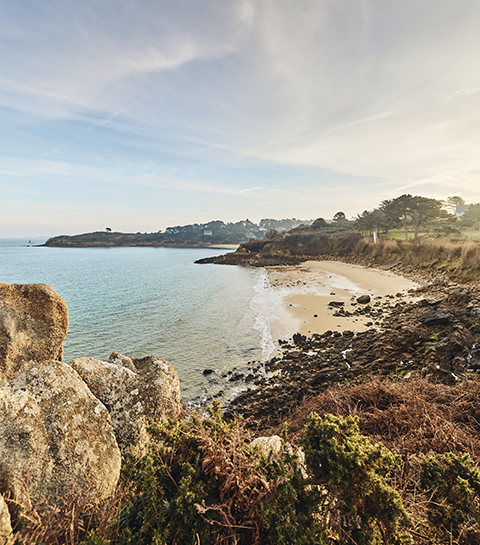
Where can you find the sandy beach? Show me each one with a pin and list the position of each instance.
(308, 288)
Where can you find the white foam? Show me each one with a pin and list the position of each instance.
(272, 320)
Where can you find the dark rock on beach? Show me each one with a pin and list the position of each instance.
(434, 318)
(406, 343)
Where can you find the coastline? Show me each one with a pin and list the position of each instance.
(309, 287)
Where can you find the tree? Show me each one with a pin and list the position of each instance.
(339, 216)
(108, 229)
(424, 210)
(471, 216)
(452, 202)
(408, 209)
(271, 234)
(376, 220)
(319, 223)
(398, 211)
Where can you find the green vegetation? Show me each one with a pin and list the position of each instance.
(451, 482)
(197, 234)
(404, 218)
(203, 481)
(459, 259)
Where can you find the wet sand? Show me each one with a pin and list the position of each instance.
(306, 290)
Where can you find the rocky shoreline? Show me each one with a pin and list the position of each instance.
(434, 334)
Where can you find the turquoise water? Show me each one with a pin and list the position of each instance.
(141, 301)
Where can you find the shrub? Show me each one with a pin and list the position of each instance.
(201, 483)
(364, 509)
(451, 483)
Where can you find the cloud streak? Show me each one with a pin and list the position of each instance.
(231, 99)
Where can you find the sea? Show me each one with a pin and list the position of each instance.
(141, 301)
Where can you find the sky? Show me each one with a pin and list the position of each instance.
(142, 115)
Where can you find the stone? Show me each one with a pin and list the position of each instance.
(336, 304)
(434, 318)
(159, 388)
(117, 387)
(122, 361)
(55, 436)
(363, 299)
(268, 444)
(5, 523)
(134, 398)
(33, 326)
(274, 444)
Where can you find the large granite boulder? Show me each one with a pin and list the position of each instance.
(135, 392)
(159, 387)
(55, 435)
(117, 387)
(33, 326)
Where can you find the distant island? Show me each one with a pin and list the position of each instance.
(194, 235)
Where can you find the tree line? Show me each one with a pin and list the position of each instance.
(410, 213)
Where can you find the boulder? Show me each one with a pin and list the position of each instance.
(274, 445)
(268, 444)
(117, 387)
(434, 318)
(135, 392)
(55, 436)
(122, 361)
(159, 387)
(5, 523)
(363, 299)
(33, 326)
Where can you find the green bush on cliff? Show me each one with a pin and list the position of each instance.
(451, 482)
(351, 471)
(201, 483)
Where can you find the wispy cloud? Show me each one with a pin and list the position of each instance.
(225, 100)
(463, 92)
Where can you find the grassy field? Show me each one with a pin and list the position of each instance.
(464, 234)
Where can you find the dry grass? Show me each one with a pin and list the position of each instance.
(412, 419)
(458, 258)
(407, 417)
(68, 521)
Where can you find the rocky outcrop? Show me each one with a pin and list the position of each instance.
(5, 523)
(159, 387)
(117, 388)
(135, 392)
(55, 436)
(33, 326)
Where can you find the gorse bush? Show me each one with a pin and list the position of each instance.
(201, 483)
(452, 484)
(363, 509)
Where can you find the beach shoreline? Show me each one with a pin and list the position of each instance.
(308, 288)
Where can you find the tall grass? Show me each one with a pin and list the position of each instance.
(460, 259)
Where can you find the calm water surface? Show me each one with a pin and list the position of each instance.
(141, 301)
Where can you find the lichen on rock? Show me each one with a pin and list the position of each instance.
(55, 435)
(136, 392)
(33, 326)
